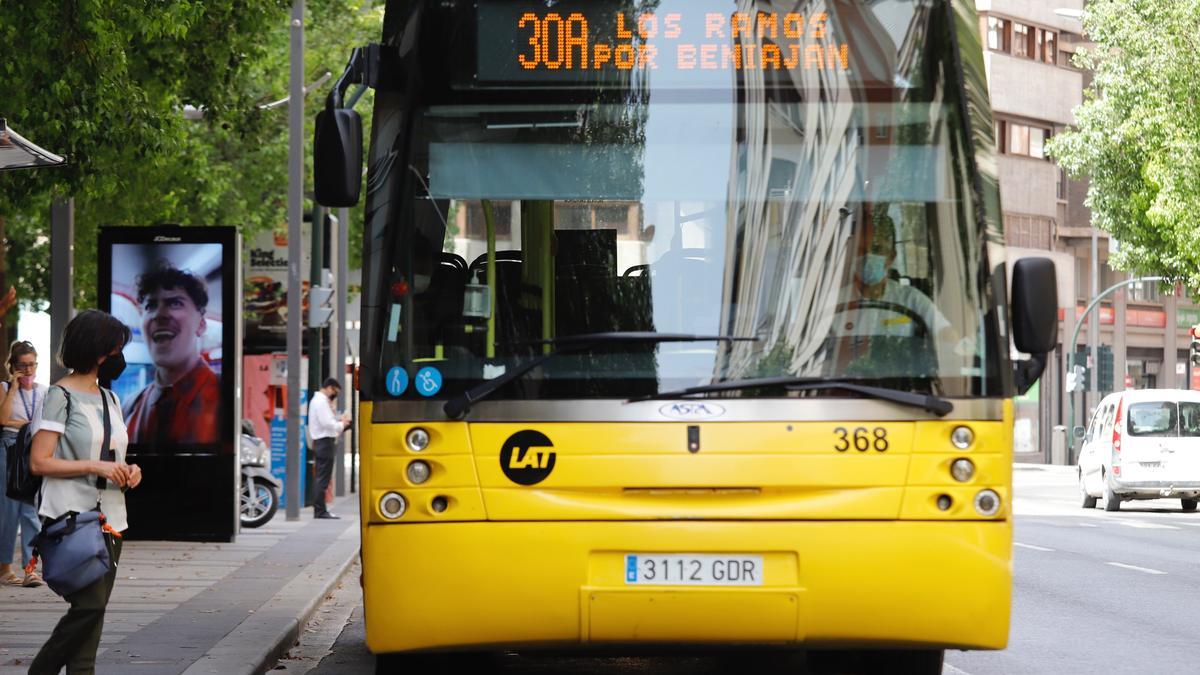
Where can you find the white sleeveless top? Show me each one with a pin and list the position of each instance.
(25, 402)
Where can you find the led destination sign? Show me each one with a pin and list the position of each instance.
(579, 41)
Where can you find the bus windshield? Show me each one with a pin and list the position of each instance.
(815, 202)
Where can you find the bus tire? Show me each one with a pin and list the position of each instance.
(1111, 501)
(469, 662)
(909, 661)
(872, 661)
(1189, 504)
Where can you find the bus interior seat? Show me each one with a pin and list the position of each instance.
(480, 261)
(518, 317)
(441, 304)
(585, 271)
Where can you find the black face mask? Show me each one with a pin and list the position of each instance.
(112, 367)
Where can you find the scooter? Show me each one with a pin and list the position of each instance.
(260, 489)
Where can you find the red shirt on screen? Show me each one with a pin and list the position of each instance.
(185, 413)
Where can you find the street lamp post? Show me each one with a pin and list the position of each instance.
(295, 215)
(1096, 364)
(1094, 322)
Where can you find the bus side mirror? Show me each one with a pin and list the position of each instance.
(337, 157)
(1034, 317)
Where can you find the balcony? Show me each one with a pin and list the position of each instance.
(1032, 89)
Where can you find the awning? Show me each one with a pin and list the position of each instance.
(16, 152)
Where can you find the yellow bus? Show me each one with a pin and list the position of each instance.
(684, 323)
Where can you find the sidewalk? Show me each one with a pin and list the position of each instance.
(185, 607)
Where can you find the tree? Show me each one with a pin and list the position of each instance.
(106, 82)
(1138, 134)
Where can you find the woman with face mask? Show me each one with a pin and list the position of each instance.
(21, 405)
(79, 473)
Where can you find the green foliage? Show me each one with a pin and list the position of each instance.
(106, 82)
(1138, 134)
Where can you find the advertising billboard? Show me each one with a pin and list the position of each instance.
(264, 303)
(177, 288)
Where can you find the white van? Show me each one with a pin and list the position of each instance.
(1142, 444)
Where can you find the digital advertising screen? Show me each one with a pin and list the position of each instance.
(177, 290)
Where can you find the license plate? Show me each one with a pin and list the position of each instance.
(688, 569)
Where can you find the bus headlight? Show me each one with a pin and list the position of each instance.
(962, 437)
(418, 472)
(987, 503)
(417, 439)
(392, 505)
(962, 469)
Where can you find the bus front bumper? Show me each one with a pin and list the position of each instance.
(489, 585)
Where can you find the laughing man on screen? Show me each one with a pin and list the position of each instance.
(181, 406)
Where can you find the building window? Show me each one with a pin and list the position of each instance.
(1060, 186)
(1014, 138)
(1049, 46)
(1037, 142)
(1144, 291)
(1083, 277)
(1022, 40)
(997, 36)
(1028, 231)
(1021, 37)
(1018, 139)
(1110, 277)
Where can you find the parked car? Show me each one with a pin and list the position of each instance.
(1142, 444)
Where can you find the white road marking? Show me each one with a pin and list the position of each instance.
(1087, 525)
(1135, 568)
(948, 669)
(1146, 526)
(1032, 547)
(1188, 524)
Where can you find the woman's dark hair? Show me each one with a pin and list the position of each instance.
(18, 349)
(89, 336)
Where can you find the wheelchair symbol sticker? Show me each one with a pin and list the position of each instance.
(397, 381)
(428, 381)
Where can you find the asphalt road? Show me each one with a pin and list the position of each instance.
(1093, 592)
(1098, 592)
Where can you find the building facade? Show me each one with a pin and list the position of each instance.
(1143, 333)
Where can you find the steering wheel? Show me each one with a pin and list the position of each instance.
(920, 329)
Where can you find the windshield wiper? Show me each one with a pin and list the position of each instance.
(459, 405)
(933, 404)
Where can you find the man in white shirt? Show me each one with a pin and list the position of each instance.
(324, 426)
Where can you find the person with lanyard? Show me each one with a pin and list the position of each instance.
(21, 405)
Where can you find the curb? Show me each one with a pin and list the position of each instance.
(263, 638)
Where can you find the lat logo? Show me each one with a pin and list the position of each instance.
(526, 457)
